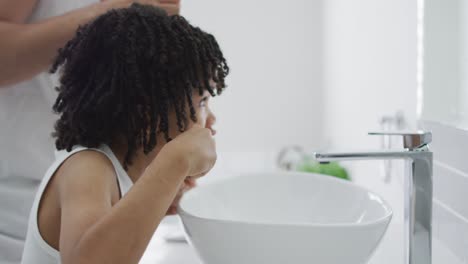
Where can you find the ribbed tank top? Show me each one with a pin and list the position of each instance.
(36, 249)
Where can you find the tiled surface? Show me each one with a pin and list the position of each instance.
(451, 188)
(450, 210)
(450, 145)
(451, 229)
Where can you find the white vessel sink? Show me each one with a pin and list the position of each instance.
(284, 217)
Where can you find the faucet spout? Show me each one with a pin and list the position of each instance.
(370, 155)
(418, 192)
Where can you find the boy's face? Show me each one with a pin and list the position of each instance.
(205, 117)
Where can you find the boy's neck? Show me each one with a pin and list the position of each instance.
(139, 162)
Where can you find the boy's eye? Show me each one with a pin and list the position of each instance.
(203, 102)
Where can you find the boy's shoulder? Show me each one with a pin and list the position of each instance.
(86, 167)
(88, 159)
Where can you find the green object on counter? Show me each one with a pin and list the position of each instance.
(332, 169)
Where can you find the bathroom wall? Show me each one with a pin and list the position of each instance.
(370, 69)
(370, 64)
(274, 49)
(443, 44)
(322, 73)
(450, 210)
(444, 79)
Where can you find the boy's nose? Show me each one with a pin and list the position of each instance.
(210, 122)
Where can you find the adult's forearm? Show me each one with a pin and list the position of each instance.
(28, 49)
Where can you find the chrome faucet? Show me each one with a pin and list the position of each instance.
(418, 189)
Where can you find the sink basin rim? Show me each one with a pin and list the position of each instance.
(386, 217)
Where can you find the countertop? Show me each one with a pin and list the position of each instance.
(390, 250)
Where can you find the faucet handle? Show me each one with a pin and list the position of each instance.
(411, 140)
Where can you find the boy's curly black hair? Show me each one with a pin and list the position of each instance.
(123, 72)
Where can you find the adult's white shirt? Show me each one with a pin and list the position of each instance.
(26, 145)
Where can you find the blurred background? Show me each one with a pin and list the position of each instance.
(311, 72)
(320, 74)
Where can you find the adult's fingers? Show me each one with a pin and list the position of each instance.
(169, 1)
(171, 9)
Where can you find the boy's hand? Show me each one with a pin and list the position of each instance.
(187, 185)
(194, 150)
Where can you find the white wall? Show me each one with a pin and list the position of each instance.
(313, 72)
(370, 57)
(445, 82)
(443, 69)
(274, 50)
(370, 67)
(450, 210)
(322, 73)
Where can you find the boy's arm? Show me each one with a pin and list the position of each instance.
(92, 231)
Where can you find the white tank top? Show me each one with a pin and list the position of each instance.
(36, 249)
(26, 147)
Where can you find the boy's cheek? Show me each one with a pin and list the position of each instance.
(201, 120)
